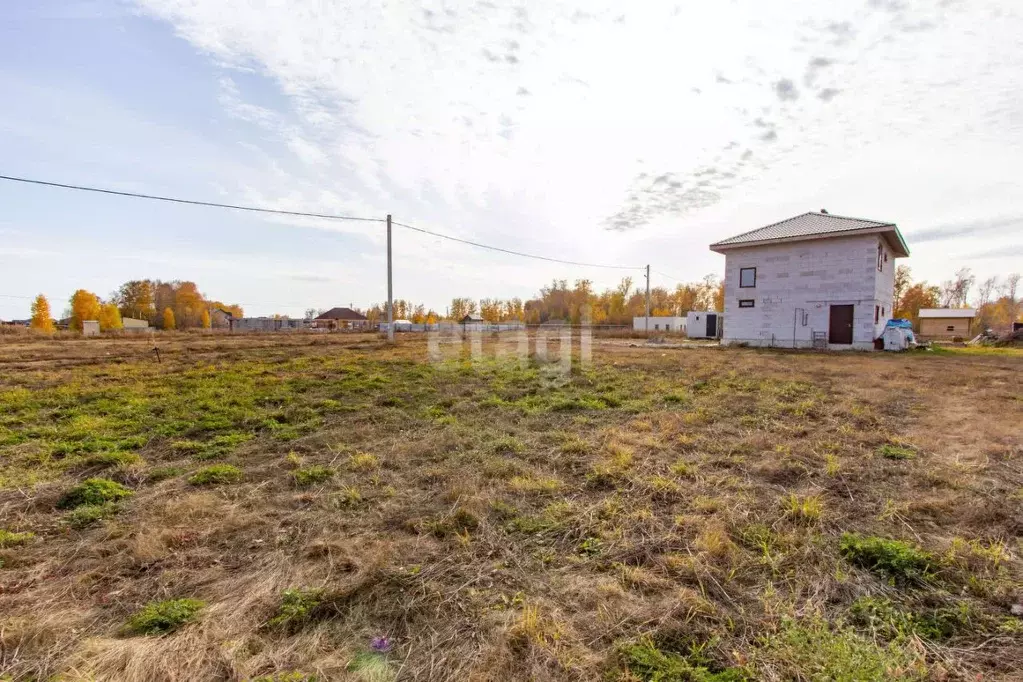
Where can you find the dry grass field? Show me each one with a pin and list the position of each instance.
(330, 508)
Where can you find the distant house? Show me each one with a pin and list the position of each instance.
(660, 323)
(815, 279)
(90, 328)
(946, 323)
(131, 324)
(472, 324)
(341, 318)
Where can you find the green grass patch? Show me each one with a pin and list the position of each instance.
(884, 618)
(893, 559)
(297, 607)
(162, 473)
(12, 539)
(891, 451)
(111, 459)
(311, 475)
(93, 491)
(216, 474)
(90, 514)
(158, 618)
(812, 649)
(645, 661)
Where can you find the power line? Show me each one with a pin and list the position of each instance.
(306, 214)
(664, 274)
(516, 253)
(192, 202)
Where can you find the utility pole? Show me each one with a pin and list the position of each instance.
(648, 300)
(390, 290)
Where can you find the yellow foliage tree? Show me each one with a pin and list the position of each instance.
(85, 305)
(110, 317)
(168, 318)
(41, 319)
(206, 322)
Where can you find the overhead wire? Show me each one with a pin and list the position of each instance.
(306, 214)
(192, 202)
(515, 253)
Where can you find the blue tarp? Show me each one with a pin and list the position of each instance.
(903, 324)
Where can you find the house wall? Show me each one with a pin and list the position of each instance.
(937, 327)
(796, 284)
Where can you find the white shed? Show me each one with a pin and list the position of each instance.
(704, 324)
(662, 323)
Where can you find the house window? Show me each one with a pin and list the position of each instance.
(657, 326)
(667, 326)
(950, 328)
(880, 258)
(747, 278)
(745, 302)
(877, 313)
(882, 311)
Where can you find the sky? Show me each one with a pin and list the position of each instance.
(609, 133)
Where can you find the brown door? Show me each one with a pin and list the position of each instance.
(840, 329)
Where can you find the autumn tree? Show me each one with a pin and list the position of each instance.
(903, 280)
(917, 296)
(85, 305)
(41, 319)
(490, 309)
(954, 291)
(206, 322)
(460, 307)
(136, 299)
(168, 318)
(110, 317)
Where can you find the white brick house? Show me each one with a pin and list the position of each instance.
(815, 272)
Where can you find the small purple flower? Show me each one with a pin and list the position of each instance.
(380, 644)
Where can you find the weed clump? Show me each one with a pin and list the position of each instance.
(310, 475)
(89, 514)
(216, 474)
(890, 451)
(460, 522)
(884, 618)
(93, 491)
(111, 459)
(162, 473)
(363, 461)
(894, 559)
(507, 445)
(11, 539)
(645, 661)
(814, 650)
(806, 510)
(158, 618)
(296, 609)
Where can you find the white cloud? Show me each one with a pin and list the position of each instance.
(539, 125)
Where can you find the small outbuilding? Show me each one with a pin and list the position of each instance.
(341, 318)
(704, 324)
(659, 323)
(946, 323)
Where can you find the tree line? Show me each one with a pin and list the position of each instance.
(164, 305)
(998, 300)
(560, 302)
